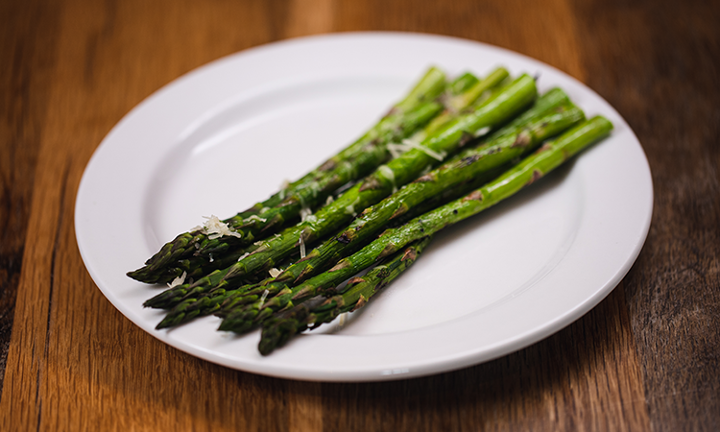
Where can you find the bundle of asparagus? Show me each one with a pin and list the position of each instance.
(278, 330)
(457, 132)
(305, 294)
(551, 114)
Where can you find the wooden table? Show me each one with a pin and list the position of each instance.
(646, 358)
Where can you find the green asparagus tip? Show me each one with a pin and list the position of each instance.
(164, 300)
(167, 322)
(277, 335)
(235, 322)
(142, 275)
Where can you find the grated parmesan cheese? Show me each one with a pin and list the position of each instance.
(178, 280)
(329, 200)
(342, 319)
(482, 131)
(305, 213)
(256, 218)
(430, 152)
(243, 256)
(263, 297)
(274, 272)
(215, 228)
(302, 248)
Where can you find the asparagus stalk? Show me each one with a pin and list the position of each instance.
(278, 330)
(371, 190)
(546, 117)
(351, 163)
(531, 169)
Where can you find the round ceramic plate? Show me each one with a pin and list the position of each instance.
(229, 133)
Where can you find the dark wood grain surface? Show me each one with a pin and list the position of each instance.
(646, 358)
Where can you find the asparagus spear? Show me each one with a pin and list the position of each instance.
(531, 169)
(351, 163)
(497, 150)
(374, 188)
(278, 330)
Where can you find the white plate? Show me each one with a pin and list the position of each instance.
(227, 134)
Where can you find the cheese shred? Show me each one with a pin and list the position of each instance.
(396, 149)
(430, 152)
(302, 248)
(215, 228)
(256, 218)
(263, 297)
(482, 131)
(178, 280)
(305, 213)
